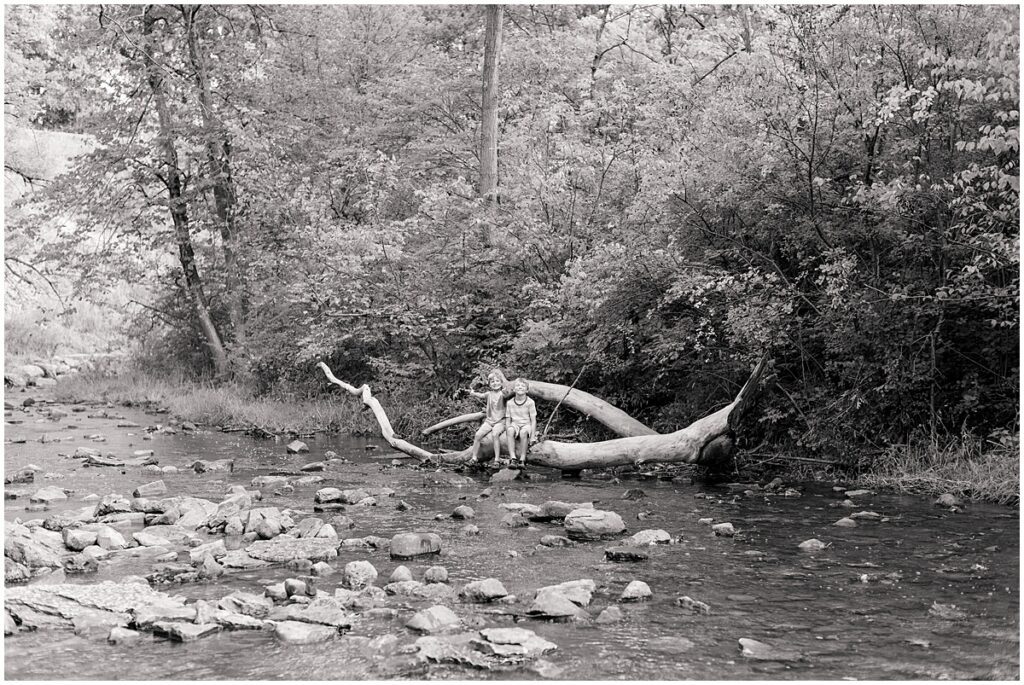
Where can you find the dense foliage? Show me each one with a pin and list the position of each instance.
(681, 189)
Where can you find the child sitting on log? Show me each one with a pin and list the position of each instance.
(520, 421)
(494, 417)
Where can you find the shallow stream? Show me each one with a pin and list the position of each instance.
(862, 608)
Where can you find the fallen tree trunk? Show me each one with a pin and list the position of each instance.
(454, 421)
(386, 430)
(708, 439)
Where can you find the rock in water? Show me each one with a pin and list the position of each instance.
(298, 633)
(122, 636)
(246, 603)
(812, 545)
(556, 541)
(408, 545)
(512, 644)
(649, 537)
(486, 590)
(610, 615)
(48, 494)
(752, 649)
(845, 523)
(554, 605)
(693, 606)
(282, 550)
(359, 574)
(153, 489)
(436, 574)
(724, 530)
(624, 553)
(636, 591)
(593, 524)
(463, 512)
(184, 632)
(77, 539)
(947, 500)
(296, 447)
(436, 619)
(401, 573)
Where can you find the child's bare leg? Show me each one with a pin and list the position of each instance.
(524, 443)
(496, 432)
(510, 434)
(482, 431)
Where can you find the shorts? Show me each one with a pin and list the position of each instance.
(516, 428)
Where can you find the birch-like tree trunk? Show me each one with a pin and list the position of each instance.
(489, 114)
(177, 204)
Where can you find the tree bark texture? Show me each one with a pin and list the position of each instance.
(177, 204)
(219, 152)
(489, 112)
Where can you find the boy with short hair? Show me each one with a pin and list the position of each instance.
(520, 421)
(494, 416)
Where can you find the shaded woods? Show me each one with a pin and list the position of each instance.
(678, 189)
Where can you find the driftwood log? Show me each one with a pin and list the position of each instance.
(707, 440)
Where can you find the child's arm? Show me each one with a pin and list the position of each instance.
(478, 395)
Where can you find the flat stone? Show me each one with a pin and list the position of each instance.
(48, 494)
(60, 604)
(858, 493)
(812, 545)
(296, 447)
(123, 636)
(754, 649)
(283, 549)
(185, 632)
(512, 643)
(153, 489)
(269, 481)
(246, 603)
(409, 545)
(593, 524)
(578, 592)
(299, 633)
(555, 605)
(556, 541)
(486, 590)
(649, 537)
(215, 549)
(505, 476)
(555, 510)
(436, 619)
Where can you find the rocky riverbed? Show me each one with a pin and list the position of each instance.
(177, 551)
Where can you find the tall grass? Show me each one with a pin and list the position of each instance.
(967, 466)
(222, 405)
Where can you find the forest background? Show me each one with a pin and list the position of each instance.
(677, 190)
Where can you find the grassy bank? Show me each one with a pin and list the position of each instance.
(223, 405)
(968, 467)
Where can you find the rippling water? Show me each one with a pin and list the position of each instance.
(836, 608)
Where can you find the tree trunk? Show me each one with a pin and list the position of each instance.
(707, 440)
(489, 113)
(218, 150)
(178, 207)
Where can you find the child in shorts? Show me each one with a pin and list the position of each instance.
(494, 416)
(520, 421)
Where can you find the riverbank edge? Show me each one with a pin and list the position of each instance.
(967, 468)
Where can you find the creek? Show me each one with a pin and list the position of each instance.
(862, 608)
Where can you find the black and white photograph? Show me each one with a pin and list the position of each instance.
(571, 342)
